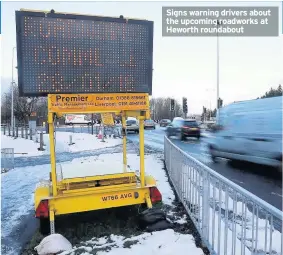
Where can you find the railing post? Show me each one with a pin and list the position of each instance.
(71, 140)
(102, 133)
(22, 132)
(170, 161)
(205, 207)
(41, 142)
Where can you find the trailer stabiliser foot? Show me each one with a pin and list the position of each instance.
(52, 223)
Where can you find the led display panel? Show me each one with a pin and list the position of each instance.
(67, 54)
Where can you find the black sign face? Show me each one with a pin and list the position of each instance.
(64, 54)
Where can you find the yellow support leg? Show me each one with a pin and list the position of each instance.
(124, 144)
(142, 170)
(148, 201)
(52, 154)
(52, 221)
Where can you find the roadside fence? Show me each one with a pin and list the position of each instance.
(229, 219)
(25, 133)
(7, 159)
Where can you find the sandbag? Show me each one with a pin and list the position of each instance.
(158, 226)
(152, 216)
(53, 244)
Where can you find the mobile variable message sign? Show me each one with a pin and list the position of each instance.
(66, 53)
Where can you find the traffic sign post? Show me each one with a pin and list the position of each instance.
(185, 106)
(172, 105)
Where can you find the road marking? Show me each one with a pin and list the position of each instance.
(276, 194)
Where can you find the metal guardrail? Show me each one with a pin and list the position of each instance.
(7, 159)
(229, 219)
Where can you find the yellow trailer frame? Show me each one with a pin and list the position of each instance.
(83, 194)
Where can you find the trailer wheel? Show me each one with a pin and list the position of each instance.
(44, 226)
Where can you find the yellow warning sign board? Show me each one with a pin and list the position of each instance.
(107, 119)
(76, 103)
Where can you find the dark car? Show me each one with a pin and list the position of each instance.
(183, 128)
(164, 123)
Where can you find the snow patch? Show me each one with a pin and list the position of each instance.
(82, 142)
(22, 147)
(164, 242)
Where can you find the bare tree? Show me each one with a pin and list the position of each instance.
(23, 106)
(160, 108)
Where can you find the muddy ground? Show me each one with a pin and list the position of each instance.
(80, 228)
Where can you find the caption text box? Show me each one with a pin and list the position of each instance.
(221, 21)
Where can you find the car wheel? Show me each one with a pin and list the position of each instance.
(212, 155)
(137, 131)
(279, 169)
(181, 136)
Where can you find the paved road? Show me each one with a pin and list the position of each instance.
(261, 181)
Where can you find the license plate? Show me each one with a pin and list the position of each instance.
(194, 129)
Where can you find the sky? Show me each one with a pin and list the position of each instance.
(183, 66)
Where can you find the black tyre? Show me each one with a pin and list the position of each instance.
(198, 137)
(137, 131)
(213, 157)
(181, 136)
(44, 226)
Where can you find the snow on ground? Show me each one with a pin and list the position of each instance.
(165, 242)
(18, 190)
(90, 166)
(24, 147)
(113, 163)
(162, 242)
(81, 142)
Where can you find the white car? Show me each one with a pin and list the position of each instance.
(250, 131)
(132, 125)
